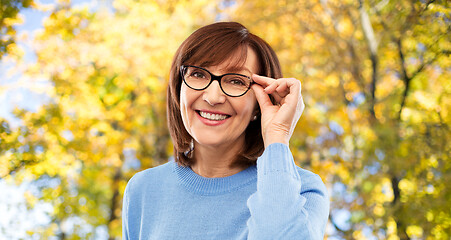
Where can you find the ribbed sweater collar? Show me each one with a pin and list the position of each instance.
(214, 186)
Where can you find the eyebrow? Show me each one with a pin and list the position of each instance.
(232, 69)
(238, 69)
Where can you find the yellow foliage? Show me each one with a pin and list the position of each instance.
(358, 235)
(412, 115)
(414, 231)
(19, 19)
(427, 100)
(14, 50)
(332, 81)
(379, 210)
(407, 186)
(392, 229)
(346, 27)
(30, 199)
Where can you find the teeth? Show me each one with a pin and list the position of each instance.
(211, 116)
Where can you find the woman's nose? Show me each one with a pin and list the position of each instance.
(213, 94)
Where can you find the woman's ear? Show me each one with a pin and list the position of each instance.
(256, 113)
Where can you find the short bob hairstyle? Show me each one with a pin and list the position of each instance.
(208, 46)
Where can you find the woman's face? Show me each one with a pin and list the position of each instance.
(213, 118)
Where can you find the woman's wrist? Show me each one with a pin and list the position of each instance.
(276, 139)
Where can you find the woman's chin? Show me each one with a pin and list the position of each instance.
(219, 142)
(209, 143)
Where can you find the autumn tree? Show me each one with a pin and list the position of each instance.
(375, 78)
(9, 17)
(106, 118)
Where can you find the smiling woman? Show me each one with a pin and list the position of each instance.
(227, 48)
(199, 110)
(230, 115)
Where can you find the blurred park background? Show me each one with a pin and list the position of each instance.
(83, 90)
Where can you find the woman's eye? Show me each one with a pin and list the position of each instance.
(237, 82)
(197, 75)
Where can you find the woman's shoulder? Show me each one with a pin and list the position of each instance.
(151, 175)
(306, 174)
(310, 180)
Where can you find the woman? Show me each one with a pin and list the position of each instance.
(233, 176)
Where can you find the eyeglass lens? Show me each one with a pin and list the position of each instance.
(231, 84)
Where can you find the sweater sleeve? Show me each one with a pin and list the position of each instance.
(287, 204)
(125, 203)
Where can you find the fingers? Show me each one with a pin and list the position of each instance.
(262, 80)
(278, 121)
(283, 88)
(280, 88)
(268, 85)
(262, 98)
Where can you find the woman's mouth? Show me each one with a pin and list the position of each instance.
(213, 116)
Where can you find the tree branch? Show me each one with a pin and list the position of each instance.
(372, 46)
(427, 5)
(115, 198)
(404, 77)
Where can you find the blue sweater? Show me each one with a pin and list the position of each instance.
(273, 200)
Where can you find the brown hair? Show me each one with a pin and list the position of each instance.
(211, 45)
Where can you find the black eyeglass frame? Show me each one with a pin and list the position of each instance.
(213, 78)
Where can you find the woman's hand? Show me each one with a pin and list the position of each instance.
(278, 121)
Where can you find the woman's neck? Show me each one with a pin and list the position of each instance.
(216, 161)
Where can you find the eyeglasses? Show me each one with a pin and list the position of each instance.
(231, 84)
